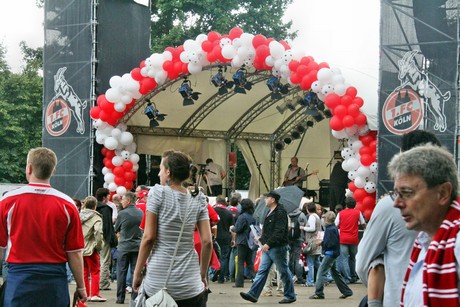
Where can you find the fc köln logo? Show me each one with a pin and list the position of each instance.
(402, 111)
(63, 106)
(57, 117)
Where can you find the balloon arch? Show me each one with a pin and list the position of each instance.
(237, 49)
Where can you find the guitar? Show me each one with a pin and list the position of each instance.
(301, 178)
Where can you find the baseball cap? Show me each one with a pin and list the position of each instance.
(142, 193)
(273, 194)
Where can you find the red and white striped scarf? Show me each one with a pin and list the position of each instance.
(439, 268)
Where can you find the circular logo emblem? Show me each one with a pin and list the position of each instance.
(402, 111)
(57, 118)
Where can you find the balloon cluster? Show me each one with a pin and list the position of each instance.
(235, 49)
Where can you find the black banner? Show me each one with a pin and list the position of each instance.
(67, 92)
(418, 81)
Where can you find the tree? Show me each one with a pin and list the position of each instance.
(173, 22)
(21, 113)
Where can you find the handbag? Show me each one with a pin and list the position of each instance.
(162, 297)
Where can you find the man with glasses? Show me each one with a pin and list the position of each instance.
(387, 235)
(426, 191)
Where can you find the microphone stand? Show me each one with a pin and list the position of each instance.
(258, 168)
(330, 165)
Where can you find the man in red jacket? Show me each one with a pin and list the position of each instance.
(348, 221)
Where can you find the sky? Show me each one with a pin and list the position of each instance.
(344, 34)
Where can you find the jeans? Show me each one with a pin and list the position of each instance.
(106, 259)
(294, 256)
(327, 264)
(346, 262)
(231, 265)
(312, 263)
(277, 255)
(225, 251)
(244, 255)
(125, 259)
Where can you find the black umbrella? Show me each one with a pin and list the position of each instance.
(290, 197)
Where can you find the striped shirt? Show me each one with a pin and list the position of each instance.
(170, 206)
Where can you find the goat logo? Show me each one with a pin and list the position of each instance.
(64, 103)
(417, 93)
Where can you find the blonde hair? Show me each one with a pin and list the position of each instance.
(43, 161)
(90, 202)
(329, 217)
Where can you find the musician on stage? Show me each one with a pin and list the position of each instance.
(295, 175)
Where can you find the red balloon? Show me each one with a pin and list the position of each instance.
(352, 91)
(340, 111)
(366, 139)
(373, 145)
(323, 65)
(263, 51)
(258, 63)
(365, 150)
(346, 100)
(361, 119)
(104, 151)
(108, 163)
(105, 116)
(177, 67)
(136, 74)
(110, 153)
(332, 100)
(128, 185)
(235, 33)
(368, 213)
(129, 176)
(259, 40)
(366, 160)
(295, 79)
(293, 65)
(306, 82)
(351, 186)
(302, 70)
(168, 66)
(359, 194)
(306, 60)
(347, 120)
(213, 36)
(127, 165)
(312, 65)
(206, 46)
(358, 101)
(369, 201)
(285, 45)
(94, 112)
(142, 64)
(119, 180)
(353, 110)
(147, 85)
(359, 206)
(336, 123)
(118, 171)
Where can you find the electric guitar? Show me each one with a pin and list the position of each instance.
(301, 178)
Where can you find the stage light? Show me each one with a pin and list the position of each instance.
(241, 82)
(220, 82)
(153, 114)
(287, 140)
(279, 146)
(187, 92)
(274, 85)
(300, 128)
(295, 134)
(327, 113)
(286, 105)
(318, 117)
(311, 104)
(310, 123)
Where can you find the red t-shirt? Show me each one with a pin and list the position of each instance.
(141, 204)
(348, 226)
(39, 224)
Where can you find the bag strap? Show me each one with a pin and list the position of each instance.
(178, 240)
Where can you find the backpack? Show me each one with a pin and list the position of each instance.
(294, 232)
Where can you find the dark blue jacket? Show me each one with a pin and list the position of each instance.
(331, 241)
(242, 228)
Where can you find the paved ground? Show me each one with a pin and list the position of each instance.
(223, 295)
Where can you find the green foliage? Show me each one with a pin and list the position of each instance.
(20, 114)
(243, 176)
(175, 21)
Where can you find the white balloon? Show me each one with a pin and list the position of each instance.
(269, 61)
(246, 39)
(348, 193)
(134, 158)
(194, 68)
(370, 187)
(121, 191)
(117, 160)
(237, 62)
(237, 42)
(131, 147)
(324, 75)
(119, 107)
(225, 41)
(321, 96)
(228, 51)
(115, 81)
(352, 130)
(374, 168)
(201, 38)
(353, 163)
(112, 186)
(126, 138)
(360, 182)
(105, 170)
(184, 57)
(157, 60)
(167, 55)
(337, 79)
(113, 95)
(160, 77)
(122, 126)
(363, 171)
(327, 89)
(125, 155)
(352, 175)
(126, 99)
(115, 133)
(276, 49)
(340, 134)
(356, 145)
(99, 124)
(363, 130)
(109, 178)
(110, 143)
(340, 89)
(100, 138)
(135, 167)
(242, 52)
(105, 185)
(346, 153)
(316, 86)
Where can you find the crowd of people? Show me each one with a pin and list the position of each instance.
(171, 236)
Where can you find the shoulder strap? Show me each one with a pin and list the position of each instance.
(178, 240)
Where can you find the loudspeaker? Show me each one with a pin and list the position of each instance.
(324, 192)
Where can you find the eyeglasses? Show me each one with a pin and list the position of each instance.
(405, 194)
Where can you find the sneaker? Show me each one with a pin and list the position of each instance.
(129, 289)
(97, 298)
(267, 293)
(279, 294)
